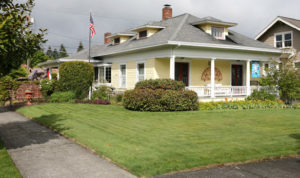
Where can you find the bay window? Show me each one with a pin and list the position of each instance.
(104, 74)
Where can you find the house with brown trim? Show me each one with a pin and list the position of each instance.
(204, 53)
(283, 33)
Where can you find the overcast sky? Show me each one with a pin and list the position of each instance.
(67, 21)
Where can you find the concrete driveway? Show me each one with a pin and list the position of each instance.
(39, 152)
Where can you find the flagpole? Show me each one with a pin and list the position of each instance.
(90, 41)
(90, 90)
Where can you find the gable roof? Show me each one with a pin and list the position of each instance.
(213, 20)
(181, 29)
(294, 23)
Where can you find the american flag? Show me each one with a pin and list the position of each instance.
(93, 32)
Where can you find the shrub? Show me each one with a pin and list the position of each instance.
(119, 98)
(101, 93)
(99, 101)
(8, 86)
(59, 97)
(48, 87)
(160, 100)
(165, 84)
(76, 76)
(261, 95)
(240, 105)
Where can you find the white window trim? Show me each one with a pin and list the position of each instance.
(137, 70)
(223, 35)
(283, 39)
(120, 76)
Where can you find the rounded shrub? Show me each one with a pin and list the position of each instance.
(160, 97)
(76, 76)
(166, 84)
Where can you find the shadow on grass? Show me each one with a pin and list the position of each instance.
(297, 137)
(18, 134)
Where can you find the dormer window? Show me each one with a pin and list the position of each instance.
(283, 40)
(117, 40)
(218, 32)
(143, 34)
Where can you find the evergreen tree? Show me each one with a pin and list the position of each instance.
(80, 47)
(55, 54)
(62, 51)
(49, 52)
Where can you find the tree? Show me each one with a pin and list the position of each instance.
(55, 54)
(80, 47)
(286, 80)
(38, 57)
(62, 51)
(17, 42)
(49, 52)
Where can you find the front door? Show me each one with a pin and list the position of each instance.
(237, 75)
(182, 72)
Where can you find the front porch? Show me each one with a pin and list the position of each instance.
(217, 79)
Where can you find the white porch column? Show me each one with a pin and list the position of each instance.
(248, 73)
(50, 73)
(212, 78)
(58, 73)
(172, 67)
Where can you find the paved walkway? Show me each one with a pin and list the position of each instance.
(39, 152)
(283, 168)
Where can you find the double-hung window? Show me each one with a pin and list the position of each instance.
(283, 40)
(140, 72)
(218, 32)
(123, 76)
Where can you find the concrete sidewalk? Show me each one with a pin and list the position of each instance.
(39, 152)
(283, 168)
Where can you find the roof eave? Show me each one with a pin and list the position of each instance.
(222, 46)
(146, 27)
(229, 24)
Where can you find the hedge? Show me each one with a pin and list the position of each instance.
(76, 76)
(240, 105)
(59, 97)
(165, 84)
(160, 100)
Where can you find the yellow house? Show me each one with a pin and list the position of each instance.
(204, 53)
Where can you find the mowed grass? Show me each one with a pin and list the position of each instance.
(150, 144)
(7, 167)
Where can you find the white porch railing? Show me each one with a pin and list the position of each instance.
(227, 91)
(98, 84)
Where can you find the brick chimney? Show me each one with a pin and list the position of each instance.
(166, 12)
(107, 40)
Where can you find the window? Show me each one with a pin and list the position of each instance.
(96, 73)
(143, 34)
(140, 72)
(123, 76)
(283, 40)
(116, 40)
(104, 74)
(108, 74)
(218, 32)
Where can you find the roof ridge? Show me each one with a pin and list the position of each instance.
(179, 27)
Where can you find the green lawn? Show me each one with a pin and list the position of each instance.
(7, 167)
(149, 144)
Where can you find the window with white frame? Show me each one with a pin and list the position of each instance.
(218, 32)
(123, 76)
(283, 40)
(104, 74)
(140, 72)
